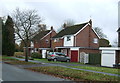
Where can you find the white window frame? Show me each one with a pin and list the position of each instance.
(46, 41)
(68, 38)
(95, 40)
(56, 40)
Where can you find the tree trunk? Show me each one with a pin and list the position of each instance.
(26, 53)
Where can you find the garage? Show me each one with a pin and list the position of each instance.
(108, 56)
(74, 56)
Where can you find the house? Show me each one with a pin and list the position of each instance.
(76, 40)
(41, 42)
(110, 56)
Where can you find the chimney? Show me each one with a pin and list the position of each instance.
(51, 27)
(64, 25)
(118, 37)
(90, 22)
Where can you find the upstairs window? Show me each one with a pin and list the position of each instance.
(46, 41)
(95, 40)
(56, 40)
(68, 38)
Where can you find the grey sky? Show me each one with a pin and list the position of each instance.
(104, 13)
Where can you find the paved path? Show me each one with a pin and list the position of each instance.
(12, 73)
(63, 65)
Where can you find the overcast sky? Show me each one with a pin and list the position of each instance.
(104, 13)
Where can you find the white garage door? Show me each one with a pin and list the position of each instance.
(108, 58)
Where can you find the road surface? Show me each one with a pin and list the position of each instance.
(12, 73)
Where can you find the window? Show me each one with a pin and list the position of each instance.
(46, 41)
(68, 38)
(95, 40)
(56, 40)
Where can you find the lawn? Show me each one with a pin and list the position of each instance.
(46, 61)
(13, 61)
(6, 58)
(100, 69)
(72, 74)
(20, 63)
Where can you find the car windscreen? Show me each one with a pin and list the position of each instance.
(61, 54)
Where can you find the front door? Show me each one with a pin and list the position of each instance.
(74, 56)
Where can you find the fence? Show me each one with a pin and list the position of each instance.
(95, 59)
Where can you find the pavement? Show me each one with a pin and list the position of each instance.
(64, 65)
(13, 73)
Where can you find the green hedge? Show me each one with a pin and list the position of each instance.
(95, 59)
(36, 55)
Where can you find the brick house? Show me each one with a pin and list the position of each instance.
(41, 42)
(118, 51)
(76, 39)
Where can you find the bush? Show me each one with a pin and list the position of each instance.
(18, 53)
(36, 55)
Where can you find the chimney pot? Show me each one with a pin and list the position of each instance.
(51, 27)
(64, 25)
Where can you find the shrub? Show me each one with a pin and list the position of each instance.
(18, 53)
(36, 55)
(19, 56)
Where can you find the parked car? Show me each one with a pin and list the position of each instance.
(57, 56)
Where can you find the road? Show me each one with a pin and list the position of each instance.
(12, 73)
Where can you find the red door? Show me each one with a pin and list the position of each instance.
(74, 56)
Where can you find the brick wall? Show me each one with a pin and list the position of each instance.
(89, 50)
(57, 44)
(85, 38)
(45, 42)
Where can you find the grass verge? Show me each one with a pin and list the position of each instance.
(13, 61)
(6, 58)
(20, 63)
(100, 69)
(46, 61)
(72, 74)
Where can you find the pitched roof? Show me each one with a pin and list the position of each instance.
(70, 30)
(118, 30)
(40, 35)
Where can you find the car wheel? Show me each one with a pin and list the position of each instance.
(49, 60)
(55, 60)
(67, 60)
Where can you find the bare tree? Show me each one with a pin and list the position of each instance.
(26, 22)
(42, 27)
(100, 32)
(68, 22)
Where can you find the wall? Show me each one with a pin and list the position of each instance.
(92, 36)
(82, 39)
(89, 50)
(117, 56)
(57, 44)
(36, 44)
(85, 38)
(42, 43)
(69, 43)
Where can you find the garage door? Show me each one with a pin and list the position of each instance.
(108, 58)
(74, 56)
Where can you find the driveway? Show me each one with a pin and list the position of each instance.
(12, 73)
